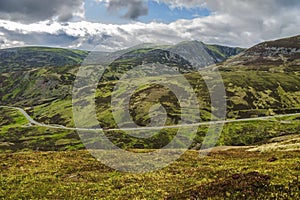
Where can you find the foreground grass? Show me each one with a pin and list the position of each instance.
(77, 175)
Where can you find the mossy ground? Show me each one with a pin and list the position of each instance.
(77, 175)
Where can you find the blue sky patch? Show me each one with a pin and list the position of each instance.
(161, 12)
(158, 12)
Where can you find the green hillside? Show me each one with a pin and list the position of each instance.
(28, 58)
(253, 89)
(273, 56)
(256, 159)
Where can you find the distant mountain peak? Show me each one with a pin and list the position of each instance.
(202, 55)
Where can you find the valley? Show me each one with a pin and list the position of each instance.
(257, 148)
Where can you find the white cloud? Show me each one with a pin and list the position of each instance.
(233, 22)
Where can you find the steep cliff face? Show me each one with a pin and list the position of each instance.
(202, 55)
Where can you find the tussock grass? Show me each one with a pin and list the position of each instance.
(77, 175)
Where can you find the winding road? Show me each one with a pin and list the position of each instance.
(55, 126)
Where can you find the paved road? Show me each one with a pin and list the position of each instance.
(32, 121)
(55, 126)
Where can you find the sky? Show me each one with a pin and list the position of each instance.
(116, 24)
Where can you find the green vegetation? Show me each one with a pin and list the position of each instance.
(45, 93)
(26, 58)
(232, 174)
(18, 135)
(254, 160)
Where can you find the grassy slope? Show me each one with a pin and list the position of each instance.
(70, 175)
(16, 135)
(45, 92)
(249, 94)
(24, 58)
(75, 174)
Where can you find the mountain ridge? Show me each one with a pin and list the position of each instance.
(24, 58)
(283, 53)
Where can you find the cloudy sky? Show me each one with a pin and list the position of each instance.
(115, 24)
